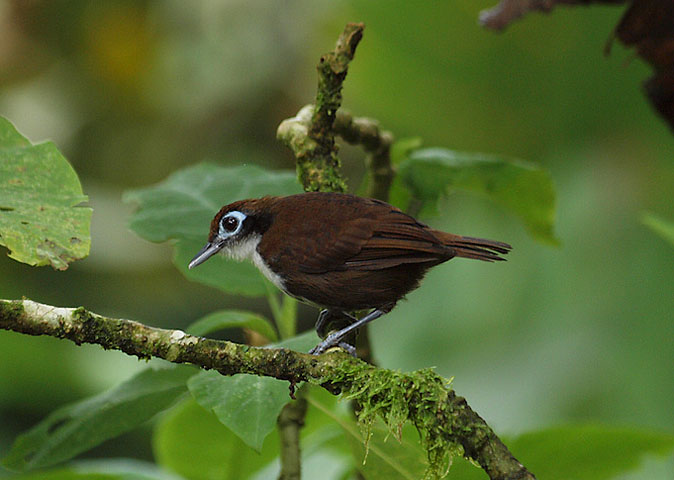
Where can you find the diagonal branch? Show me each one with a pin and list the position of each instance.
(444, 420)
(507, 11)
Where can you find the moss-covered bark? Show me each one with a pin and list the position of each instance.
(445, 421)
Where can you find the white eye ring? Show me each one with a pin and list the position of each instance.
(224, 232)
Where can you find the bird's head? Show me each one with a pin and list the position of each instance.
(236, 230)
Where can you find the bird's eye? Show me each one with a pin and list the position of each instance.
(230, 224)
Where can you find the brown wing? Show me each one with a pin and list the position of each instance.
(397, 239)
(353, 233)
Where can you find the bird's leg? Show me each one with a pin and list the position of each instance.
(322, 322)
(335, 338)
(328, 317)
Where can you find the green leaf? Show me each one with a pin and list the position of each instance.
(80, 426)
(249, 405)
(40, 220)
(403, 147)
(182, 207)
(233, 319)
(300, 343)
(520, 187)
(659, 225)
(112, 469)
(587, 452)
(235, 278)
(386, 457)
(189, 440)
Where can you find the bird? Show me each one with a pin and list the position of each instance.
(339, 252)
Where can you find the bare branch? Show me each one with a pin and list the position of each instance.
(507, 11)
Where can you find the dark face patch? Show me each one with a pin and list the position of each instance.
(257, 220)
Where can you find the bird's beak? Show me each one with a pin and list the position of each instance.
(205, 253)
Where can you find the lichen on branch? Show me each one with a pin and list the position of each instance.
(312, 139)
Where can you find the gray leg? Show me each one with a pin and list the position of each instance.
(326, 317)
(335, 338)
(322, 322)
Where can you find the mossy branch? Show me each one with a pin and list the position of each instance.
(311, 133)
(444, 420)
(312, 139)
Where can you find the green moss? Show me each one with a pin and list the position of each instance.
(10, 310)
(81, 314)
(321, 175)
(420, 397)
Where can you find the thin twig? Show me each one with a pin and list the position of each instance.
(367, 133)
(507, 11)
(454, 421)
(290, 422)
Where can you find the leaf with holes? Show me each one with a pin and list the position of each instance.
(41, 220)
(181, 208)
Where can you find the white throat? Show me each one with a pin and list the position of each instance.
(247, 250)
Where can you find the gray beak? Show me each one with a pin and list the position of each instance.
(205, 253)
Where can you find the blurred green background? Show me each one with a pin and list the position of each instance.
(130, 91)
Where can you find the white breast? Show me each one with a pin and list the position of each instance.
(247, 250)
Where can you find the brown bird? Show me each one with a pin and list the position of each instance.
(339, 252)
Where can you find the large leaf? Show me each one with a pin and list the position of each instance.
(112, 469)
(249, 405)
(40, 220)
(80, 426)
(189, 440)
(182, 206)
(385, 456)
(233, 319)
(236, 278)
(519, 187)
(587, 452)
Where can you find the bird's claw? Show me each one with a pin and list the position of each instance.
(331, 341)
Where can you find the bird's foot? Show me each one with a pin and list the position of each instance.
(331, 341)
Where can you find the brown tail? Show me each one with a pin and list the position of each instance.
(477, 248)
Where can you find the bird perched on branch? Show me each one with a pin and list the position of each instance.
(339, 252)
